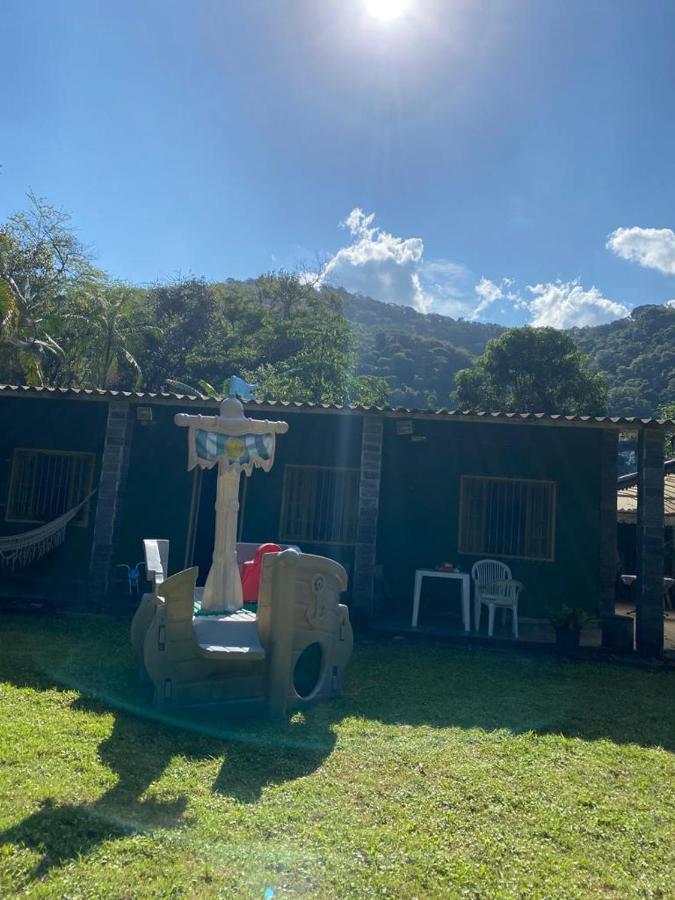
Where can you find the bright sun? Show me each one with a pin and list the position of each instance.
(386, 10)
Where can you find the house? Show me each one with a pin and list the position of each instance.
(627, 517)
(627, 496)
(380, 490)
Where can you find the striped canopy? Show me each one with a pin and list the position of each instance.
(236, 449)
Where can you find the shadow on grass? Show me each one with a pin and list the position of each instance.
(102, 674)
(391, 682)
(417, 683)
(139, 751)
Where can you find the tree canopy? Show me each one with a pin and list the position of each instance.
(64, 322)
(44, 273)
(532, 370)
(636, 356)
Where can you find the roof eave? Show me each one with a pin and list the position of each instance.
(614, 423)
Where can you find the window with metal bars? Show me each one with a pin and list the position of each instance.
(319, 505)
(44, 484)
(507, 517)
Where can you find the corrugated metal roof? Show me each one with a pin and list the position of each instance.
(614, 422)
(626, 498)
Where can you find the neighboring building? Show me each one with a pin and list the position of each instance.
(627, 517)
(627, 496)
(381, 490)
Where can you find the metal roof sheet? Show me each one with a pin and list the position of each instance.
(164, 397)
(626, 501)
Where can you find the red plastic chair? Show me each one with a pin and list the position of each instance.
(252, 570)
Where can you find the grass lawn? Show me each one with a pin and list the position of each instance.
(443, 772)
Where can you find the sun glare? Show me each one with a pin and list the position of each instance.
(386, 10)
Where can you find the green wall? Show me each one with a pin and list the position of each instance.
(313, 440)
(418, 523)
(51, 423)
(419, 504)
(159, 487)
(156, 502)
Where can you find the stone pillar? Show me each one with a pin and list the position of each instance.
(608, 524)
(366, 529)
(650, 542)
(114, 468)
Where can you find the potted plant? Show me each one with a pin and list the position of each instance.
(568, 622)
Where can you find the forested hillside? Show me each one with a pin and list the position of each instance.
(637, 357)
(419, 354)
(63, 322)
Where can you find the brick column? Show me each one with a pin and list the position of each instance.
(650, 542)
(114, 468)
(608, 525)
(366, 529)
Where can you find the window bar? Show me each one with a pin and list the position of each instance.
(43, 474)
(512, 518)
(339, 485)
(59, 493)
(505, 513)
(325, 497)
(313, 521)
(300, 502)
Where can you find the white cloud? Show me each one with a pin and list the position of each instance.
(378, 264)
(489, 293)
(652, 248)
(393, 269)
(448, 288)
(565, 304)
(670, 303)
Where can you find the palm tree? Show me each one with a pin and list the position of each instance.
(114, 323)
(41, 260)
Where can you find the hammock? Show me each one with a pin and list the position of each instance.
(23, 549)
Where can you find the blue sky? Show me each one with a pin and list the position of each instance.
(509, 161)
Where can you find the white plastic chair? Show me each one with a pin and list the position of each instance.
(495, 587)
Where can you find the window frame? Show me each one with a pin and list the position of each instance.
(78, 522)
(528, 481)
(283, 535)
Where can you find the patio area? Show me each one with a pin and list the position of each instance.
(628, 609)
(440, 617)
(445, 621)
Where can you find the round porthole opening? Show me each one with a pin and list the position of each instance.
(307, 670)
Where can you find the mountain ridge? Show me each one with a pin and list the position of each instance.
(419, 353)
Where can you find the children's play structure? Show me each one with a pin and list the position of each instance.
(205, 649)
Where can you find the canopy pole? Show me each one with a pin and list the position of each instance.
(223, 583)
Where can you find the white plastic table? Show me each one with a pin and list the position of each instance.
(433, 573)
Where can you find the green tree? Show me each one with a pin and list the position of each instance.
(370, 390)
(532, 370)
(307, 343)
(100, 332)
(636, 355)
(41, 263)
(116, 327)
(278, 332)
(189, 339)
(667, 411)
